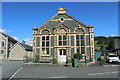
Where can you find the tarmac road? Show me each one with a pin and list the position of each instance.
(37, 71)
(9, 67)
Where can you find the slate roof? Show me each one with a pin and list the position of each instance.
(71, 23)
(9, 37)
(27, 47)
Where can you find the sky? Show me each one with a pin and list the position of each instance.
(18, 18)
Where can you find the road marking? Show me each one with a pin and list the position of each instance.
(58, 77)
(15, 73)
(103, 73)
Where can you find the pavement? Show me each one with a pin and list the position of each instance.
(18, 70)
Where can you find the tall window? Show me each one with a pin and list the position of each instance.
(45, 45)
(80, 43)
(62, 40)
(79, 40)
(2, 44)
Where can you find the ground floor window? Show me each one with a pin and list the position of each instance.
(80, 50)
(45, 51)
(2, 52)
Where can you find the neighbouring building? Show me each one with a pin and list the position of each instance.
(19, 51)
(62, 36)
(6, 42)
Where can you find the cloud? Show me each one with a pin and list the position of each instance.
(4, 30)
(16, 38)
(113, 35)
(28, 41)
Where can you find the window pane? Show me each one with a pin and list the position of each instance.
(64, 37)
(37, 41)
(2, 43)
(82, 36)
(77, 43)
(78, 50)
(47, 37)
(37, 51)
(2, 51)
(77, 37)
(60, 37)
(64, 52)
(60, 52)
(43, 37)
(64, 42)
(82, 42)
(47, 43)
(47, 49)
(60, 42)
(82, 50)
(43, 51)
(43, 44)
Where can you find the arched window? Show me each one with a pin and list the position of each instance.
(79, 30)
(2, 51)
(45, 32)
(2, 44)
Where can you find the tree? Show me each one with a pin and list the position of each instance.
(78, 56)
(111, 45)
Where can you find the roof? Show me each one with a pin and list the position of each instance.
(9, 37)
(26, 47)
(70, 23)
(67, 22)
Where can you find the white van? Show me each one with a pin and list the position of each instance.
(112, 58)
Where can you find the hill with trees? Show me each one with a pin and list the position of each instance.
(103, 43)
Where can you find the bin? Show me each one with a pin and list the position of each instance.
(75, 63)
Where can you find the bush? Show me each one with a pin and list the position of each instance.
(102, 61)
(37, 58)
(55, 61)
(78, 56)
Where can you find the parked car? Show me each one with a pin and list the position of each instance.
(112, 58)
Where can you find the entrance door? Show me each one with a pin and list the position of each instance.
(62, 55)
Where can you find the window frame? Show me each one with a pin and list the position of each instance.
(63, 40)
(45, 47)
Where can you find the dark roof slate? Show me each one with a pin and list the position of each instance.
(50, 24)
(9, 37)
(27, 47)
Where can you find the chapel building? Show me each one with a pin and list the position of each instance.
(62, 36)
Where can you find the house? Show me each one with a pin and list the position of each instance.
(6, 42)
(19, 51)
(62, 36)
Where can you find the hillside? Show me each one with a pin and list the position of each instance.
(104, 43)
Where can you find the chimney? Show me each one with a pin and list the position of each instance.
(23, 42)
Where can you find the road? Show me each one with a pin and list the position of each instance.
(66, 72)
(9, 67)
(15, 70)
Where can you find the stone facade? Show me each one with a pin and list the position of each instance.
(62, 36)
(6, 42)
(19, 51)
